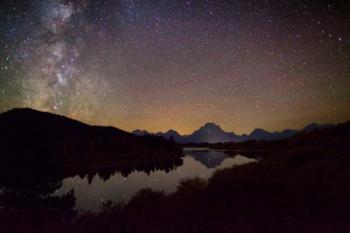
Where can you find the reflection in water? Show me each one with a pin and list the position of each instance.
(30, 194)
(127, 169)
(92, 190)
(210, 159)
(89, 189)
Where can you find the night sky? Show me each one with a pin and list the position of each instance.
(165, 64)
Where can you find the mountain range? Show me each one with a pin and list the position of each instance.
(213, 133)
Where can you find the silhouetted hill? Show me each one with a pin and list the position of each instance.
(263, 135)
(172, 135)
(331, 136)
(33, 137)
(140, 132)
(259, 134)
(213, 133)
(315, 126)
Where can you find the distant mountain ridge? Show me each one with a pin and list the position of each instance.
(213, 133)
(44, 139)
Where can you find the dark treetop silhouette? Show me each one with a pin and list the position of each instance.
(34, 139)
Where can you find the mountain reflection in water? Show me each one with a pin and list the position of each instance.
(89, 190)
(92, 190)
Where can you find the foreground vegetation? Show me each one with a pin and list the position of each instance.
(300, 188)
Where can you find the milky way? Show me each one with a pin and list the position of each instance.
(176, 64)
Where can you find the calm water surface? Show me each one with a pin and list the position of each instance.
(91, 192)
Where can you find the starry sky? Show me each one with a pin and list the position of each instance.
(162, 64)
